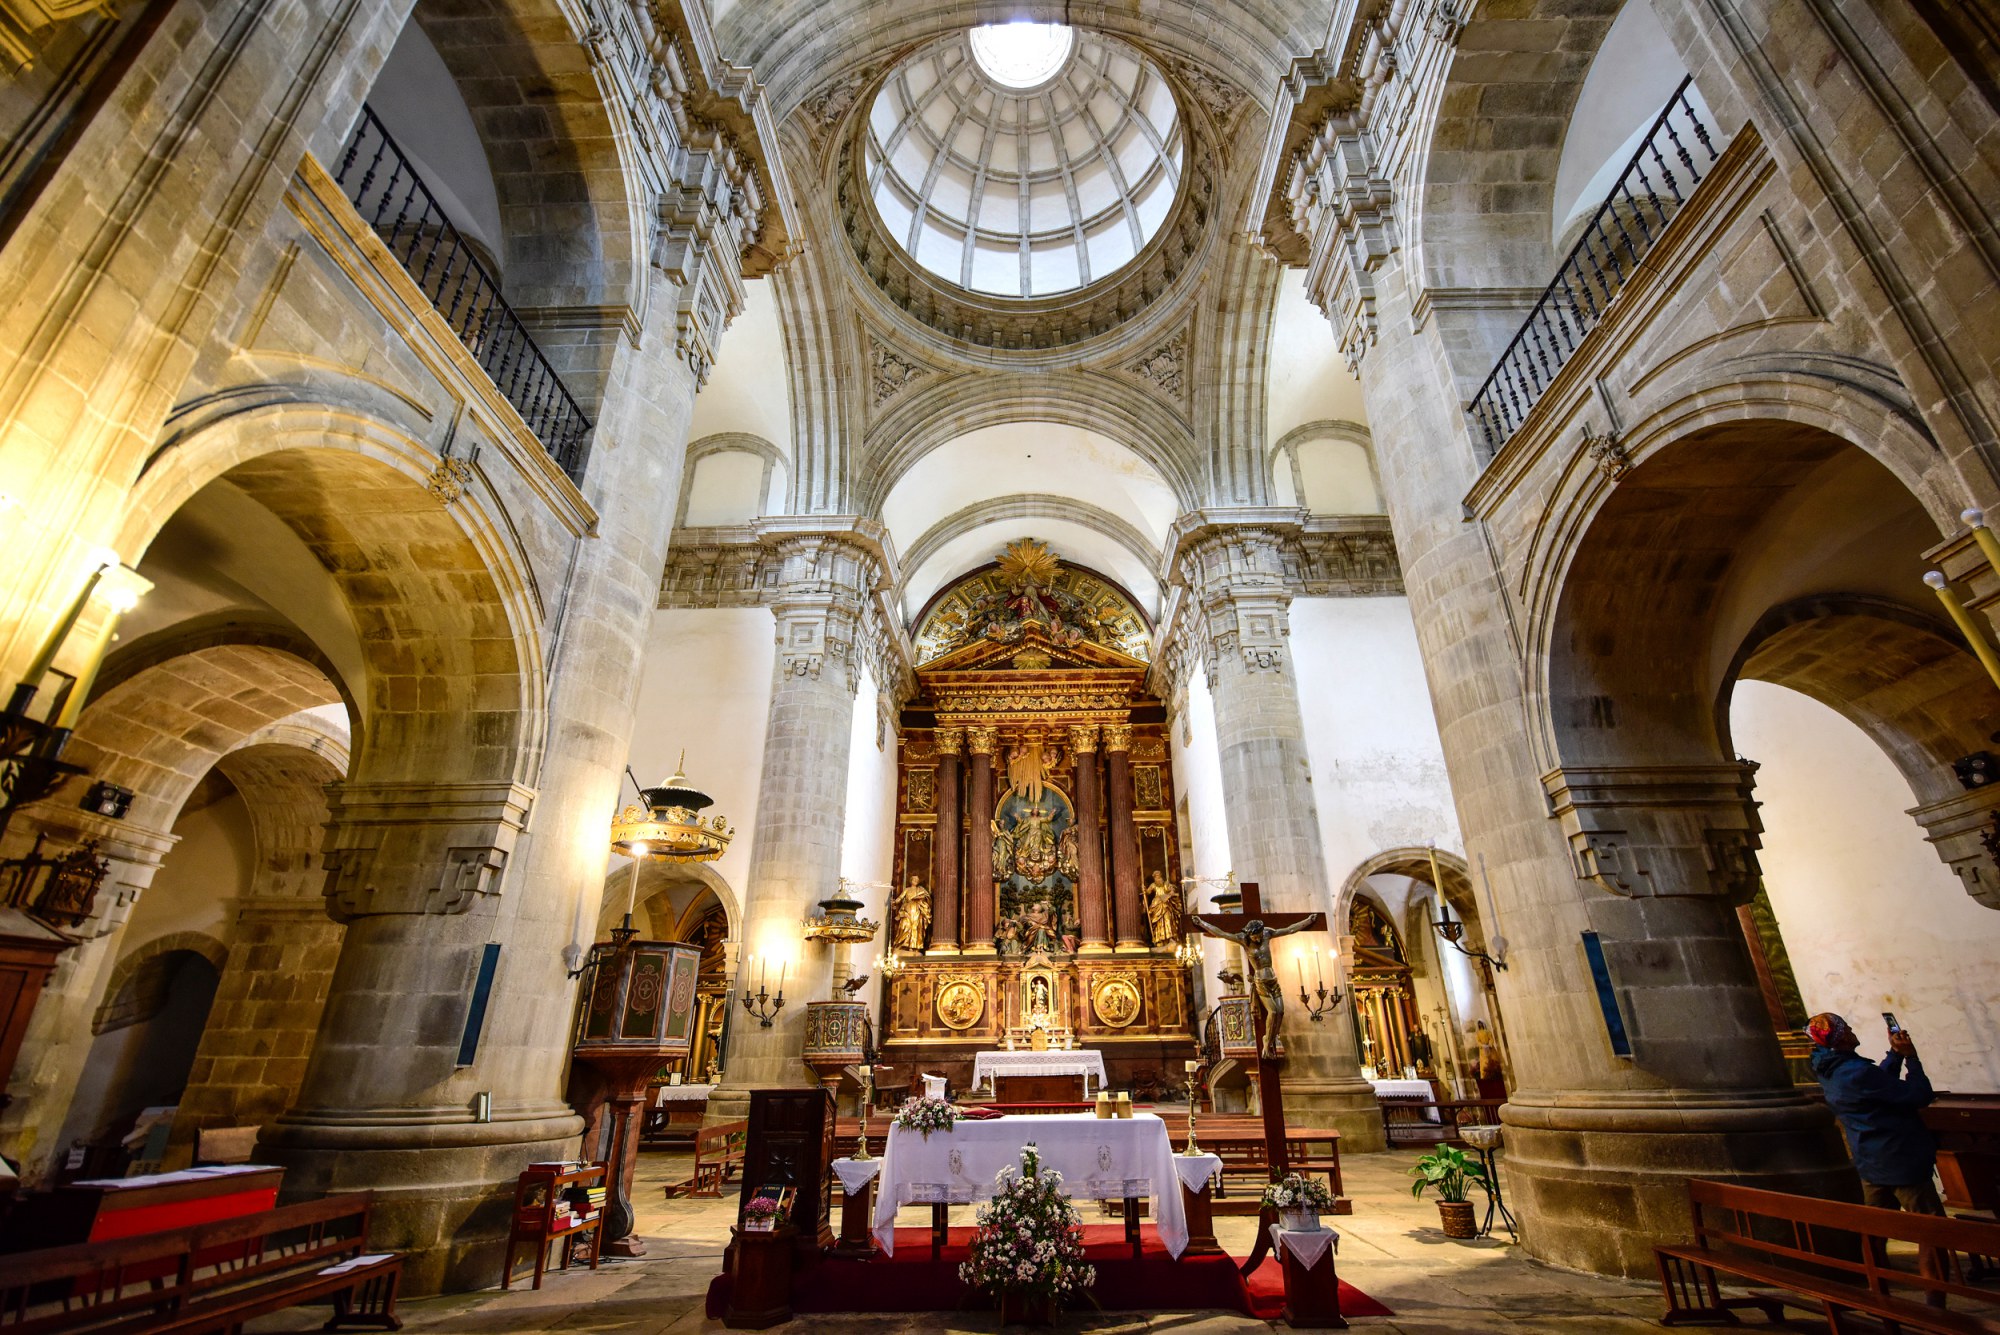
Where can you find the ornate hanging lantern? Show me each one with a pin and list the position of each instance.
(666, 823)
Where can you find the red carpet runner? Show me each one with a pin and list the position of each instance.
(910, 1281)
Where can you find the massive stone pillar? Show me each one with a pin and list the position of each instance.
(828, 573)
(1600, 1145)
(1092, 911)
(1231, 563)
(979, 892)
(1128, 913)
(945, 841)
(455, 889)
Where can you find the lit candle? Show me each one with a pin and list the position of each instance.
(1319, 979)
(782, 966)
(121, 600)
(638, 851)
(1299, 963)
(101, 560)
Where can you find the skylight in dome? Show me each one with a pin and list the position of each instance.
(1021, 55)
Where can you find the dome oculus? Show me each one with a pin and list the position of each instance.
(1024, 189)
(1021, 55)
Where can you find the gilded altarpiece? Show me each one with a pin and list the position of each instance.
(1036, 807)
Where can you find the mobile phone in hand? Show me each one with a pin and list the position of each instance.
(1889, 1018)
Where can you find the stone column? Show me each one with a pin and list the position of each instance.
(945, 842)
(429, 869)
(1128, 914)
(1599, 1146)
(828, 572)
(1232, 564)
(1092, 911)
(979, 893)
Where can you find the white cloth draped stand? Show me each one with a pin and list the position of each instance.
(1197, 1170)
(1074, 1061)
(1306, 1248)
(1099, 1158)
(681, 1094)
(854, 1173)
(1408, 1089)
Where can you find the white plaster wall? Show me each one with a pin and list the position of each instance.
(1377, 765)
(707, 687)
(1629, 80)
(748, 390)
(418, 102)
(200, 878)
(868, 830)
(1872, 920)
(727, 488)
(1308, 379)
(1198, 778)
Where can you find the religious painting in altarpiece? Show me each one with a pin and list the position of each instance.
(1036, 802)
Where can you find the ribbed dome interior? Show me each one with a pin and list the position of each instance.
(1024, 192)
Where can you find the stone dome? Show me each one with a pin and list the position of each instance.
(1024, 160)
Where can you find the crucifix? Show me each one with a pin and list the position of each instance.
(1253, 929)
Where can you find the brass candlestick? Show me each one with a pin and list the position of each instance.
(861, 1136)
(1192, 1148)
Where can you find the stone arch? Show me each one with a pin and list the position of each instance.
(1414, 863)
(1905, 678)
(1285, 453)
(444, 601)
(559, 149)
(1489, 163)
(939, 413)
(676, 884)
(121, 1003)
(232, 628)
(1029, 506)
(729, 442)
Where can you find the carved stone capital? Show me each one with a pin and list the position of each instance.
(1340, 202)
(1965, 831)
(418, 848)
(1666, 830)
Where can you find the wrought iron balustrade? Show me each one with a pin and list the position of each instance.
(395, 203)
(1671, 160)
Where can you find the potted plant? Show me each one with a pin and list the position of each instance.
(1298, 1199)
(926, 1115)
(1452, 1171)
(1027, 1251)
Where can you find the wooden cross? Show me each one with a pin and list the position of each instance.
(1270, 1098)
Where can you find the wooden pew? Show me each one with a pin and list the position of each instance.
(718, 1154)
(1823, 1256)
(208, 1277)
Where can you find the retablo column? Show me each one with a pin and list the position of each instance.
(945, 843)
(979, 848)
(1092, 910)
(1128, 912)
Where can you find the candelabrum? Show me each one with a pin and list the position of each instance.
(763, 1004)
(1328, 999)
(1452, 931)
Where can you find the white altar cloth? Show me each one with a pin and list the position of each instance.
(1100, 1158)
(1409, 1089)
(681, 1094)
(1075, 1061)
(855, 1173)
(1197, 1170)
(1307, 1247)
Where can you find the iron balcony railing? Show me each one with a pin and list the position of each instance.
(1675, 154)
(393, 200)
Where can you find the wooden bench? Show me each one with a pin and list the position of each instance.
(718, 1154)
(1823, 1256)
(210, 1277)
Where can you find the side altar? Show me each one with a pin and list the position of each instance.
(1038, 854)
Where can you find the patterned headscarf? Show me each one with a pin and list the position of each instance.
(1826, 1028)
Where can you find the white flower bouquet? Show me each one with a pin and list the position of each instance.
(1028, 1246)
(1298, 1192)
(926, 1115)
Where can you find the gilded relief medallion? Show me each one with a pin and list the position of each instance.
(960, 1003)
(1116, 1001)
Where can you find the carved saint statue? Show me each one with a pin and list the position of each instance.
(1003, 851)
(913, 916)
(1034, 839)
(1038, 928)
(1163, 912)
(1255, 938)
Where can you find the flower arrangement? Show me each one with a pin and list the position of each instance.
(926, 1115)
(1298, 1192)
(762, 1214)
(1029, 1242)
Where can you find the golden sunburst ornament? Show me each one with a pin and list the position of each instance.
(1028, 562)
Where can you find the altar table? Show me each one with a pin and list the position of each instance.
(1100, 1158)
(1085, 1062)
(1409, 1089)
